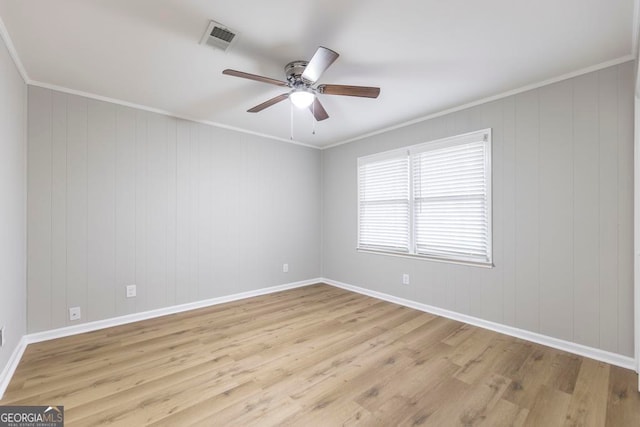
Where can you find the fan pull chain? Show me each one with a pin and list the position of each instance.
(313, 119)
(291, 128)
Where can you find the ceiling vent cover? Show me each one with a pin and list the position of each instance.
(219, 36)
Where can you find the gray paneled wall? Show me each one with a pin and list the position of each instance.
(185, 211)
(562, 214)
(13, 203)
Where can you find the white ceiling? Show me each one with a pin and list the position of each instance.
(425, 55)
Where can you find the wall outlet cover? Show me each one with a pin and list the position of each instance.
(285, 268)
(405, 279)
(2, 337)
(132, 291)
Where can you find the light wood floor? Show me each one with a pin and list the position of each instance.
(318, 356)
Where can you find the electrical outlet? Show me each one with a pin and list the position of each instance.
(2, 337)
(285, 268)
(74, 313)
(132, 291)
(405, 279)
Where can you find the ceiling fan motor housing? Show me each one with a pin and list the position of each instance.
(293, 70)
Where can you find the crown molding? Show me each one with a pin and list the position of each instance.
(492, 98)
(4, 35)
(163, 112)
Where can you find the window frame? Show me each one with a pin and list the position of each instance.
(410, 152)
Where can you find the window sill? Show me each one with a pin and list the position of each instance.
(427, 258)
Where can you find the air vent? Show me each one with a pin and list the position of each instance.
(219, 36)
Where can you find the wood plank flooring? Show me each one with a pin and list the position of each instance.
(318, 356)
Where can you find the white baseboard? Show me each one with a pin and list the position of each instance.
(593, 353)
(9, 370)
(579, 349)
(136, 317)
(12, 365)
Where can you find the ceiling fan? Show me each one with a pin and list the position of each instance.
(301, 77)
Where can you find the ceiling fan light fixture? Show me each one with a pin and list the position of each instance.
(302, 98)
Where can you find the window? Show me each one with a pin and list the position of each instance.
(384, 204)
(430, 200)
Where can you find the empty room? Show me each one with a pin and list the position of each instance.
(319, 213)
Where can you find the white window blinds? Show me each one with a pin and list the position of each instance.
(451, 201)
(431, 200)
(384, 204)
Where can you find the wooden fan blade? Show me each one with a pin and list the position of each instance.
(269, 103)
(318, 110)
(362, 91)
(254, 77)
(321, 60)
